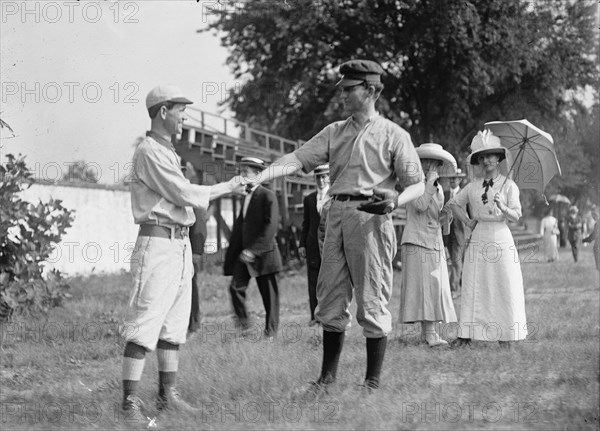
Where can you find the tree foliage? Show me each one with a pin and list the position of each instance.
(27, 235)
(450, 65)
(80, 172)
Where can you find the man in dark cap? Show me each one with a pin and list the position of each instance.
(367, 154)
(253, 251)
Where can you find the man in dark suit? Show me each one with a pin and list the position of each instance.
(309, 238)
(197, 236)
(253, 250)
(455, 239)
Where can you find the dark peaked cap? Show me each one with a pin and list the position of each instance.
(356, 72)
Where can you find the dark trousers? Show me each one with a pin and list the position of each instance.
(575, 247)
(313, 276)
(267, 286)
(195, 315)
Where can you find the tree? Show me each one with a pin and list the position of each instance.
(450, 66)
(27, 235)
(81, 172)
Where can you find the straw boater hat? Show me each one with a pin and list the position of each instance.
(458, 174)
(437, 152)
(254, 162)
(322, 169)
(485, 143)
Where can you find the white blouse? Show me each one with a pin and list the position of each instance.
(472, 194)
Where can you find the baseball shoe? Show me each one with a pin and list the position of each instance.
(172, 400)
(313, 391)
(369, 387)
(132, 411)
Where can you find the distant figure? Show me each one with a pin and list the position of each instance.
(549, 231)
(595, 237)
(455, 239)
(309, 238)
(575, 226)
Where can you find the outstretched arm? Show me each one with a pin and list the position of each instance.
(284, 166)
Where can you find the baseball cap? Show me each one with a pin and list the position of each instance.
(165, 93)
(356, 72)
(254, 162)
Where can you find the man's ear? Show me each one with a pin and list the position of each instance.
(163, 112)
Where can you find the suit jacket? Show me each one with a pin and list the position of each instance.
(310, 229)
(457, 235)
(198, 231)
(256, 232)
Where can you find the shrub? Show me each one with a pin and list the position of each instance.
(27, 235)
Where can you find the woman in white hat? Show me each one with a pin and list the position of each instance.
(425, 293)
(492, 304)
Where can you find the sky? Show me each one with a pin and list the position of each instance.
(75, 77)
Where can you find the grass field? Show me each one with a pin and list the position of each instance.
(63, 372)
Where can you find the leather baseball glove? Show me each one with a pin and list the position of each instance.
(384, 201)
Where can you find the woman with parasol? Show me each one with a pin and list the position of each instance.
(492, 304)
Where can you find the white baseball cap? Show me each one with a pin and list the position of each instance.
(165, 93)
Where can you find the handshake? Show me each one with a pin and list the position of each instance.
(382, 202)
(240, 185)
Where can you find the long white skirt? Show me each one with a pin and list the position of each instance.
(425, 291)
(492, 304)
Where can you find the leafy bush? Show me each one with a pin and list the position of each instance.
(27, 235)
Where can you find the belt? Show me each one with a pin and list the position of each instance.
(164, 231)
(343, 197)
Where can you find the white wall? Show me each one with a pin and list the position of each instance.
(103, 234)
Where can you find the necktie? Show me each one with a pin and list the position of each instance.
(487, 184)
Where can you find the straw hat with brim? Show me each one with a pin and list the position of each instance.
(437, 152)
(322, 169)
(485, 143)
(458, 174)
(253, 162)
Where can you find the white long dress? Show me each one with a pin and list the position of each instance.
(548, 225)
(492, 303)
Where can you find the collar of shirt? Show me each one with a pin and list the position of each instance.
(454, 191)
(369, 120)
(160, 139)
(322, 192)
(252, 189)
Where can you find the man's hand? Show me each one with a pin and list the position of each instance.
(238, 185)
(384, 201)
(302, 252)
(247, 256)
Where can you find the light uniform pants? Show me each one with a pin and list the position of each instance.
(357, 260)
(160, 302)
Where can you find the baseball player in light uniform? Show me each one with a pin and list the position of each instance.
(366, 155)
(162, 201)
